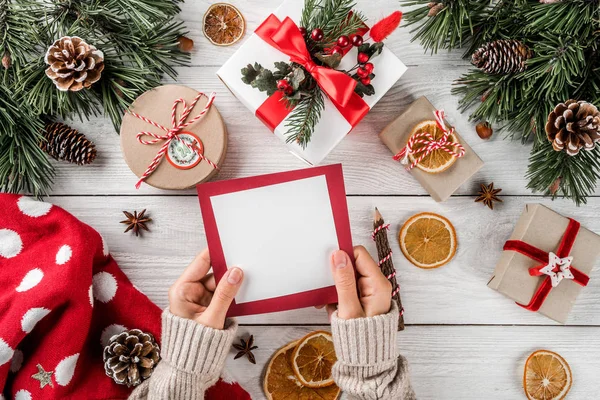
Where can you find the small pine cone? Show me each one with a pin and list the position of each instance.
(67, 144)
(434, 8)
(573, 125)
(502, 57)
(73, 64)
(6, 60)
(130, 357)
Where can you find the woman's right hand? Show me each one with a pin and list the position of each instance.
(364, 293)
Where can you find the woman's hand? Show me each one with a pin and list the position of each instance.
(374, 294)
(196, 296)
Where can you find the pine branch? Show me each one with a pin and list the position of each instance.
(334, 17)
(304, 117)
(23, 165)
(452, 26)
(578, 174)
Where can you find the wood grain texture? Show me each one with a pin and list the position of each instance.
(454, 294)
(454, 362)
(253, 150)
(459, 339)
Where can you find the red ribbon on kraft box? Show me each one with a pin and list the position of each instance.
(555, 266)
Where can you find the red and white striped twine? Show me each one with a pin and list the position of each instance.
(173, 133)
(430, 144)
(384, 259)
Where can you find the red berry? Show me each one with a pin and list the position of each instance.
(317, 34)
(302, 31)
(362, 73)
(362, 58)
(337, 50)
(343, 41)
(282, 84)
(357, 40)
(366, 81)
(288, 90)
(369, 67)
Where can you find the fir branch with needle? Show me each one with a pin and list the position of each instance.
(304, 117)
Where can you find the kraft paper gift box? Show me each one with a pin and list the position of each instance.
(332, 126)
(439, 185)
(545, 229)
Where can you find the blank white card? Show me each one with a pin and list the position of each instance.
(281, 236)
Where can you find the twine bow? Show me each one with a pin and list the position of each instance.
(430, 144)
(173, 133)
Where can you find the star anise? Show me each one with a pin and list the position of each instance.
(136, 222)
(488, 195)
(245, 349)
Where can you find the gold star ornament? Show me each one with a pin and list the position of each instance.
(44, 377)
(488, 195)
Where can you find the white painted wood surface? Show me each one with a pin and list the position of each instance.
(463, 340)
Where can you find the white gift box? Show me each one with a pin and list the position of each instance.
(332, 126)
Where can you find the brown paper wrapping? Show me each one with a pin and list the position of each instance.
(442, 185)
(156, 105)
(544, 229)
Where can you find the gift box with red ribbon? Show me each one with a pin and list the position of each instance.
(274, 42)
(402, 136)
(546, 262)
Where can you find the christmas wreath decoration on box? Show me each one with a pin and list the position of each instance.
(537, 76)
(80, 58)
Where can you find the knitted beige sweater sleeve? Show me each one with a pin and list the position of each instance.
(192, 355)
(369, 366)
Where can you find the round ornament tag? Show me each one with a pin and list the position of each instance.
(181, 156)
(192, 157)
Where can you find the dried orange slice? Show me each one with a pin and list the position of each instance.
(313, 359)
(428, 240)
(547, 376)
(438, 160)
(223, 24)
(282, 384)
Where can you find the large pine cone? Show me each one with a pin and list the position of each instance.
(573, 125)
(73, 64)
(130, 357)
(501, 57)
(67, 144)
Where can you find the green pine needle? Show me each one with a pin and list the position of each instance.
(304, 117)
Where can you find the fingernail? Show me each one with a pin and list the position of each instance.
(340, 260)
(235, 276)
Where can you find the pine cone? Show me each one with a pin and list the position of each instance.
(67, 144)
(73, 64)
(501, 57)
(573, 125)
(130, 357)
(434, 8)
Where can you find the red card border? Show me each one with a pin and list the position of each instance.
(337, 195)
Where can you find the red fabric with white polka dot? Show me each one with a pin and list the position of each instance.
(62, 296)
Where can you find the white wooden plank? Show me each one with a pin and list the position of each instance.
(456, 363)
(453, 294)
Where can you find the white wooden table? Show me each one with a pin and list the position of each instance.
(463, 340)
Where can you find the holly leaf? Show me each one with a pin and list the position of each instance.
(265, 82)
(331, 60)
(250, 72)
(296, 78)
(371, 49)
(283, 68)
(363, 90)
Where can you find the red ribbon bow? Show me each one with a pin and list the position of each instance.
(286, 37)
(563, 251)
(443, 143)
(172, 133)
